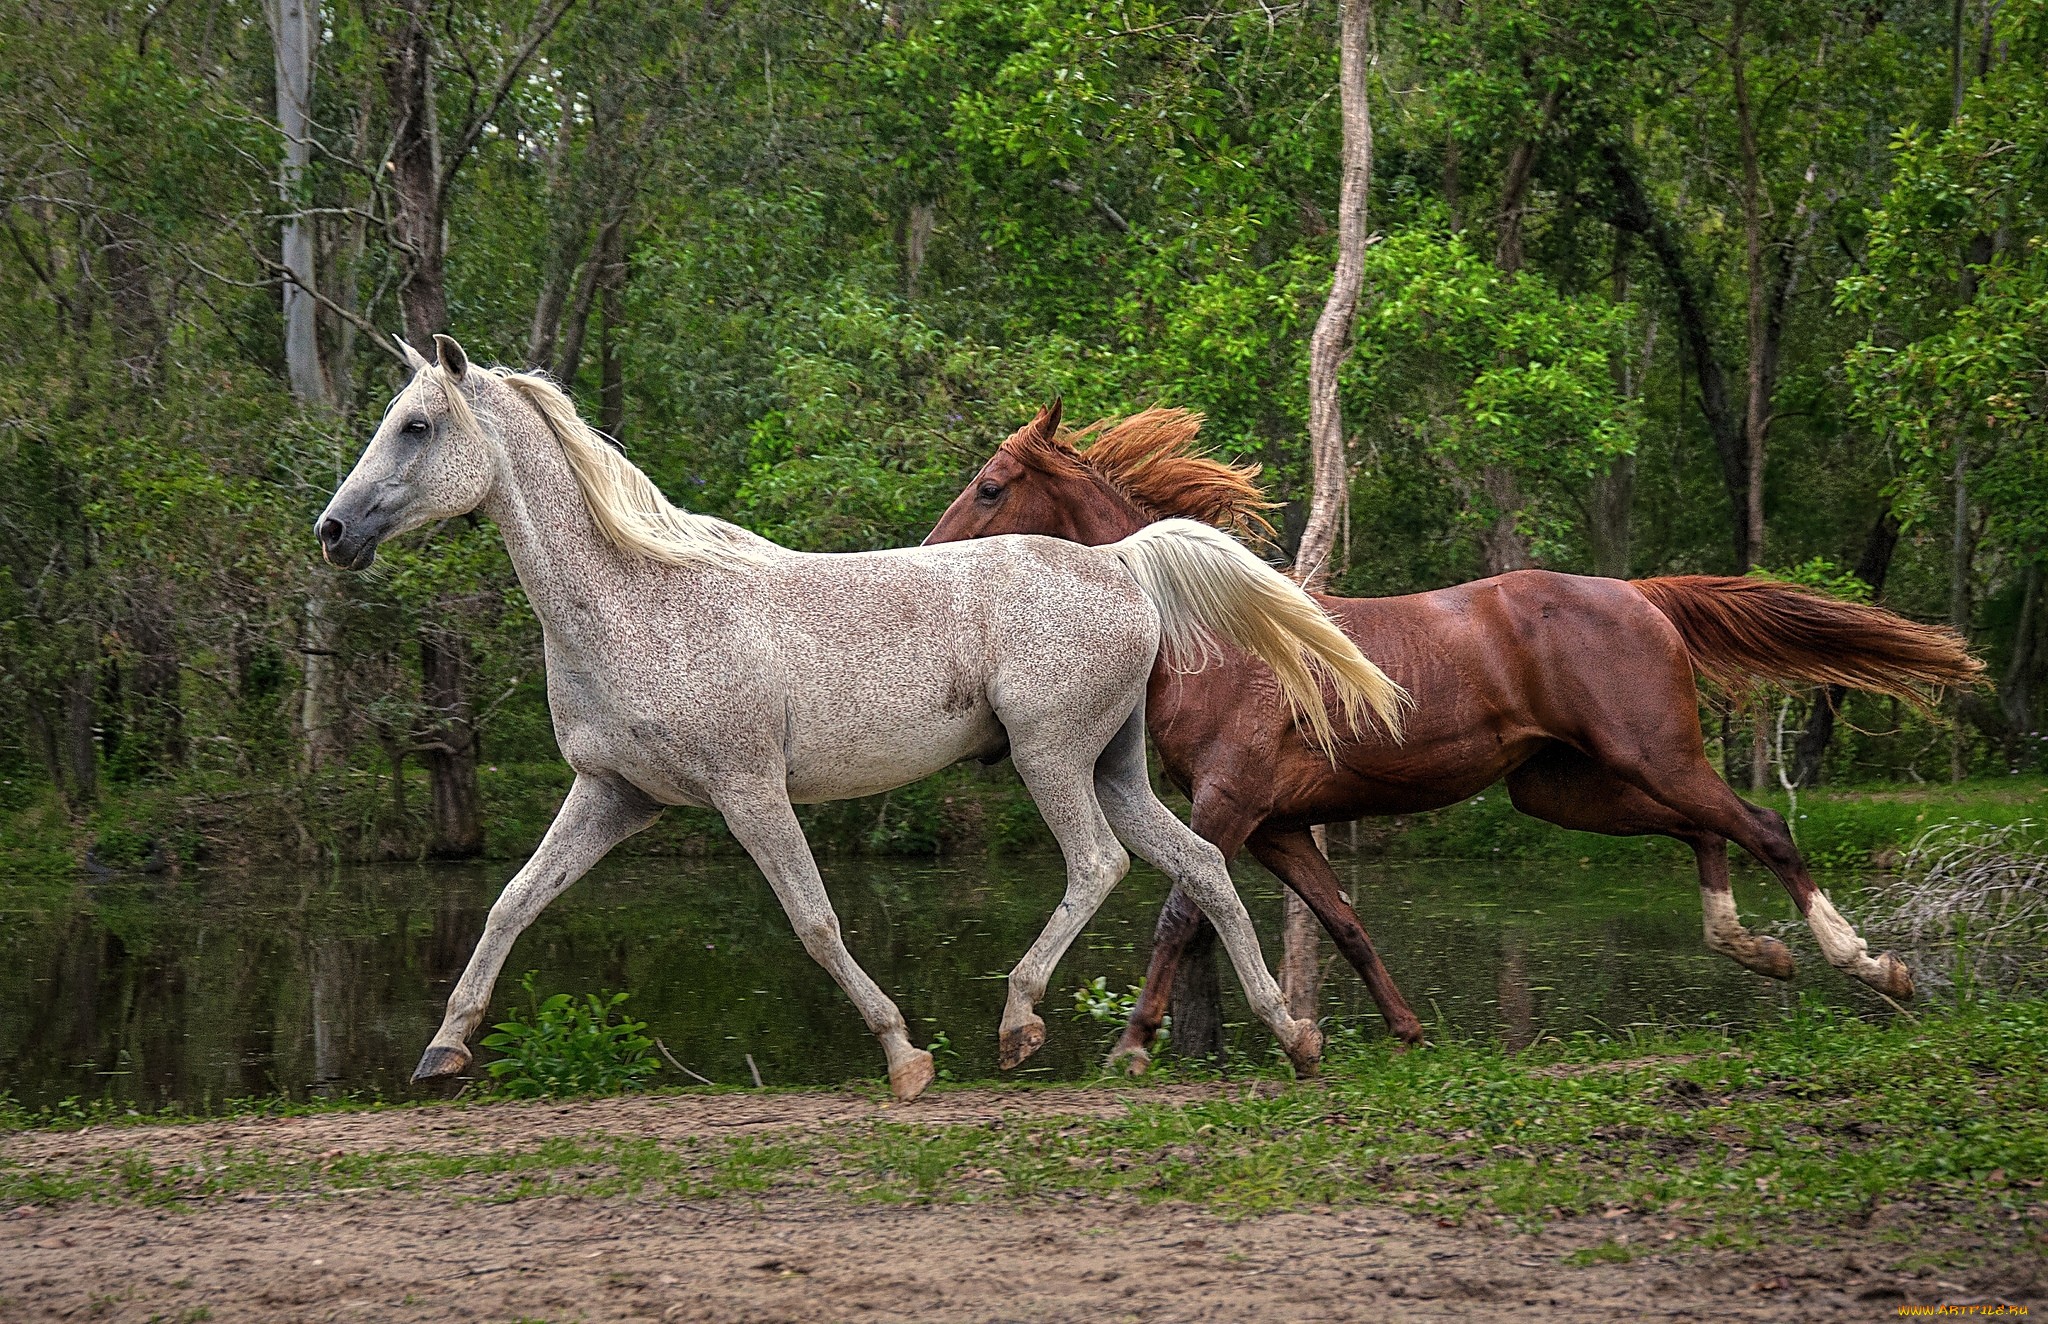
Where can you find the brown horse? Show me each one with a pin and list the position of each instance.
(1579, 692)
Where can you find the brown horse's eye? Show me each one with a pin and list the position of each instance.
(990, 491)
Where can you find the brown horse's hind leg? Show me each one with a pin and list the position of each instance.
(1562, 786)
(1677, 775)
(1181, 921)
(1293, 857)
(1725, 933)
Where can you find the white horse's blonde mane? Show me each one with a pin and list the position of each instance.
(629, 509)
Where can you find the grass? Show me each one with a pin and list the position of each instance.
(1822, 1119)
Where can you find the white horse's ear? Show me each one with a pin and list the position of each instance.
(453, 361)
(413, 358)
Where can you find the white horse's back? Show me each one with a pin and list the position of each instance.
(896, 664)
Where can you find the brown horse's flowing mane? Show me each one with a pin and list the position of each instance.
(1154, 460)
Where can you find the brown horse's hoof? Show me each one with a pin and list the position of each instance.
(1019, 1043)
(908, 1078)
(1306, 1052)
(1770, 958)
(1131, 1059)
(439, 1063)
(1892, 978)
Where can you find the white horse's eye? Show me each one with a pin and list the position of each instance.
(417, 427)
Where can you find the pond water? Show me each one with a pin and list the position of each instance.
(188, 991)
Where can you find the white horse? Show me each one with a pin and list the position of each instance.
(690, 662)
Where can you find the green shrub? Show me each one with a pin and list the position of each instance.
(569, 1047)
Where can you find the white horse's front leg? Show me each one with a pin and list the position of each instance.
(595, 817)
(761, 817)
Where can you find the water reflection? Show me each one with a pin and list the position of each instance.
(194, 990)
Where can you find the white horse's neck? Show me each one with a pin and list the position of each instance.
(571, 573)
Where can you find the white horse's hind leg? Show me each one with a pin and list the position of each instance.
(1096, 862)
(765, 824)
(1151, 829)
(594, 817)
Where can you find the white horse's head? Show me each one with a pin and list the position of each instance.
(429, 460)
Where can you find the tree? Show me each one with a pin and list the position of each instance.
(423, 166)
(1321, 552)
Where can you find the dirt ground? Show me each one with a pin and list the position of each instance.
(377, 1255)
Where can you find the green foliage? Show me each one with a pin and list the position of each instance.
(1823, 574)
(815, 265)
(1493, 371)
(1957, 296)
(1096, 1002)
(564, 1047)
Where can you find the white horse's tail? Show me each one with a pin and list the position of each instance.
(1206, 583)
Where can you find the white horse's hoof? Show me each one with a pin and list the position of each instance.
(440, 1062)
(1019, 1042)
(908, 1078)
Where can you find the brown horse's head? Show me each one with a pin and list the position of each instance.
(1143, 468)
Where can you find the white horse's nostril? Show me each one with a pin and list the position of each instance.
(329, 531)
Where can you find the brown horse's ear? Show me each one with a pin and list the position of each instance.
(453, 361)
(1047, 424)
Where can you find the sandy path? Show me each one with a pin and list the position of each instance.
(403, 1257)
(502, 1124)
(454, 1254)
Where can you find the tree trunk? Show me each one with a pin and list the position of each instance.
(1614, 500)
(294, 40)
(320, 651)
(1756, 417)
(914, 235)
(1322, 548)
(1198, 1000)
(127, 272)
(156, 684)
(611, 395)
(451, 745)
(1502, 544)
(415, 168)
(1872, 568)
(1330, 489)
(2015, 694)
(569, 229)
(1694, 299)
(80, 750)
(1961, 554)
(1614, 492)
(577, 325)
(43, 734)
(1514, 192)
(1301, 961)
(294, 37)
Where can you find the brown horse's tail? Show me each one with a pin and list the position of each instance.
(1744, 629)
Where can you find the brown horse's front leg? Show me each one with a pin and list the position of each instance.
(1293, 857)
(1179, 921)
